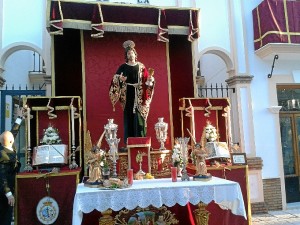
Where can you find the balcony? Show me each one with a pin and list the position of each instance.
(276, 27)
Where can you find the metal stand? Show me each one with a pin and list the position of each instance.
(114, 172)
(28, 167)
(73, 164)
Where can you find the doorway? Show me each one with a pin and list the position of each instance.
(289, 99)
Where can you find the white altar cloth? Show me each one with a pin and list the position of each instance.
(158, 192)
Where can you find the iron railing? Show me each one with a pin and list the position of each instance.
(215, 91)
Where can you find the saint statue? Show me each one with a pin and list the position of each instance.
(133, 86)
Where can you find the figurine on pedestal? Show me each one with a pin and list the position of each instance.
(94, 161)
(201, 173)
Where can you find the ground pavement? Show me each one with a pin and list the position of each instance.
(284, 217)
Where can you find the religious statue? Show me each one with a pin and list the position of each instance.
(94, 161)
(201, 169)
(133, 86)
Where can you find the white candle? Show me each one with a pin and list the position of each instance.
(72, 124)
(28, 126)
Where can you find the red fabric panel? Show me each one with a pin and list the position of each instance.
(269, 16)
(181, 76)
(61, 123)
(237, 174)
(215, 116)
(136, 166)
(31, 190)
(139, 141)
(102, 59)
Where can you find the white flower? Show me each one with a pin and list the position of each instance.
(211, 133)
(50, 136)
(176, 155)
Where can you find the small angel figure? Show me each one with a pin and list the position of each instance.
(94, 161)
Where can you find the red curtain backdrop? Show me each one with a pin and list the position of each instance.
(276, 21)
(102, 59)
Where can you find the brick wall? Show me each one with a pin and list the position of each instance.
(272, 197)
(272, 194)
(271, 189)
(258, 208)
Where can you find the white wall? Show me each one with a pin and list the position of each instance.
(23, 21)
(266, 133)
(214, 27)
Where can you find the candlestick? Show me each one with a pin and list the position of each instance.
(72, 123)
(28, 126)
(28, 166)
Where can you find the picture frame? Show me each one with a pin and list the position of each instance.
(238, 159)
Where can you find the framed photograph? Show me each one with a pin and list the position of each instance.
(238, 159)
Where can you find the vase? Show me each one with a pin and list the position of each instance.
(179, 170)
(161, 130)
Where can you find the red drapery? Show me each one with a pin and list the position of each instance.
(103, 17)
(276, 21)
(102, 59)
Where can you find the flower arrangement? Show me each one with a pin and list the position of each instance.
(176, 154)
(211, 133)
(51, 136)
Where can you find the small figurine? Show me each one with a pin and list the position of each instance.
(201, 173)
(94, 162)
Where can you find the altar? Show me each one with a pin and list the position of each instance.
(160, 192)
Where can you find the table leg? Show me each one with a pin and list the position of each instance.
(201, 214)
(106, 218)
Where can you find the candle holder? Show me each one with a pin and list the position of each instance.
(28, 166)
(73, 164)
(161, 130)
(113, 154)
(110, 130)
(183, 142)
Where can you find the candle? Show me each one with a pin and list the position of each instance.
(174, 174)
(72, 123)
(28, 126)
(130, 176)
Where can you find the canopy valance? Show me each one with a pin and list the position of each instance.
(102, 17)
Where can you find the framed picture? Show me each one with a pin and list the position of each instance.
(238, 159)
